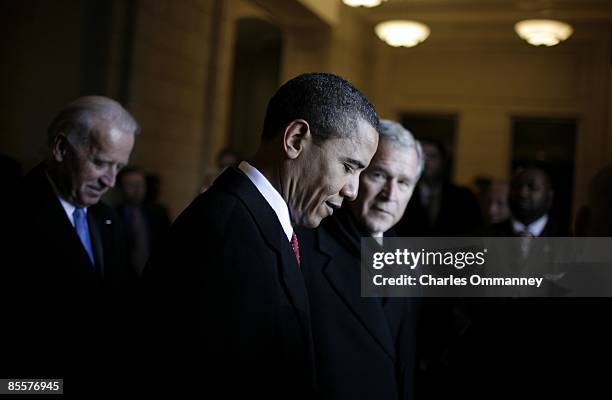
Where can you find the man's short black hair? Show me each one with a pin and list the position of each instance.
(331, 105)
(538, 168)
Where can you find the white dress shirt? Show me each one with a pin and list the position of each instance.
(535, 228)
(68, 207)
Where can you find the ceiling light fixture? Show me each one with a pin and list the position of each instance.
(543, 32)
(363, 3)
(398, 33)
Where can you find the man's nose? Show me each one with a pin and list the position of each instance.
(109, 178)
(349, 191)
(524, 192)
(389, 191)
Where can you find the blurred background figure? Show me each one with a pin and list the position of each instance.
(153, 194)
(531, 198)
(495, 205)
(439, 207)
(209, 177)
(227, 158)
(145, 223)
(595, 217)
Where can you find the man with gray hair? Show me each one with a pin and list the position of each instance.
(90, 140)
(387, 185)
(67, 246)
(365, 347)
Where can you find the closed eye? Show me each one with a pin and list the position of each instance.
(352, 164)
(100, 163)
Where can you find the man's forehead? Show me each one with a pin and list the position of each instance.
(532, 176)
(105, 132)
(363, 134)
(396, 158)
(390, 150)
(355, 143)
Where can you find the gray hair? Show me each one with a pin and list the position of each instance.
(391, 131)
(78, 119)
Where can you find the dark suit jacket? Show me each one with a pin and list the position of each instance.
(156, 222)
(513, 343)
(229, 297)
(58, 299)
(364, 346)
(504, 229)
(51, 248)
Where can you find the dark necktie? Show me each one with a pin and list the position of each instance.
(296, 247)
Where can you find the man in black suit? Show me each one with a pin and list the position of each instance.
(228, 279)
(526, 332)
(365, 347)
(531, 197)
(59, 200)
(145, 224)
(67, 247)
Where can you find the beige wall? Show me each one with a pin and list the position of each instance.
(170, 66)
(487, 83)
(40, 72)
(181, 64)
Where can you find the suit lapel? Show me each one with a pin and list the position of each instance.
(233, 180)
(294, 281)
(345, 278)
(57, 227)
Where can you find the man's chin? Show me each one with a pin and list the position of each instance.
(88, 201)
(380, 224)
(311, 222)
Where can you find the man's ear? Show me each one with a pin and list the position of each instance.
(59, 147)
(583, 222)
(296, 136)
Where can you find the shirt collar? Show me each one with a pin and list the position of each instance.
(535, 228)
(271, 195)
(67, 206)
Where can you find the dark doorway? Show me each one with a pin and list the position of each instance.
(439, 128)
(550, 144)
(256, 77)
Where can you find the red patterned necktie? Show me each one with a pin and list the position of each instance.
(296, 247)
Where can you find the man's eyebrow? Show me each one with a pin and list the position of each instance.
(356, 163)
